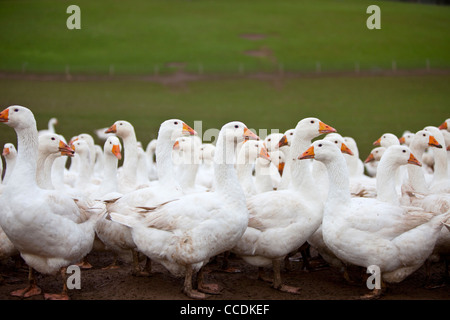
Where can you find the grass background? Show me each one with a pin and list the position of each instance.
(137, 37)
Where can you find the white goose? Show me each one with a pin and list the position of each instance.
(282, 221)
(205, 176)
(445, 129)
(128, 173)
(440, 182)
(116, 236)
(184, 234)
(284, 145)
(10, 154)
(368, 232)
(50, 148)
(64, 239)
(246, 159)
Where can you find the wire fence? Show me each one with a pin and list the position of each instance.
(232, 68)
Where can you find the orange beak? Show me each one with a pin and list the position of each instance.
(4, 115)
(249, 135)
(308, 154)
(369, 158)
(264, 154)
(433, 142)
(112, 129)
(402, 140)
(5, 151)
(283, 142)
(345, 149)
(413, 160)
(324, 128)
(188, 130)
(65, 149)
(377, 143)
(116, 151)
(176, 145)
(443, 126)
(281, 168)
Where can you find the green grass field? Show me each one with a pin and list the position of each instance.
(362, 107)
(139, 36)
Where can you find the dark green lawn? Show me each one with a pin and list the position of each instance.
(363, 107)
(139, 36)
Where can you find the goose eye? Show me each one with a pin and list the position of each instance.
(312, 121)
(320, 145)
(236, 126)
(291, 133)
(268, 139)
(53, 138)
(404, 151)
(335, 142)
(176, 122)
(16, 110)
(424, 134)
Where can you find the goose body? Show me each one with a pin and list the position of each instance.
(68, 232)
(183, 234)
(281, 221)
(367, 232)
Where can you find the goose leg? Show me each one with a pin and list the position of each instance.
(31, 290)
(113, 265)
(64, 295)
(187, 287)
(277, 283)
(225, 264)
(211, 288)
(262, 275)
(136, 267)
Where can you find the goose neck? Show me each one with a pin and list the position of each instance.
(24, 172)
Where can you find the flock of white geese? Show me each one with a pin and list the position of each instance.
(180, 203)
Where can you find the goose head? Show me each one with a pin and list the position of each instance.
(238, 132)
(81, 147)
(321, 150)
(272, 141)
(278, 159)
(207, 152)
(113, 147)
(445, 125)
(121, 128)
(252, 150)
(338, 140)
(286, 139)
(50, 143)
(423, 139)
(375, 154)
(400, 155)
(309, 128)
(387, 140)
(436, 133)
(18, 117)
(406, 138)
(9, 151)
(173, 129)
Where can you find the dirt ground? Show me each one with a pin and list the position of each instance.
(323, 283)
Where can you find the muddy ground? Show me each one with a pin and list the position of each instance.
(323, 283)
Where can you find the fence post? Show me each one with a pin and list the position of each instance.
(318, 67)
